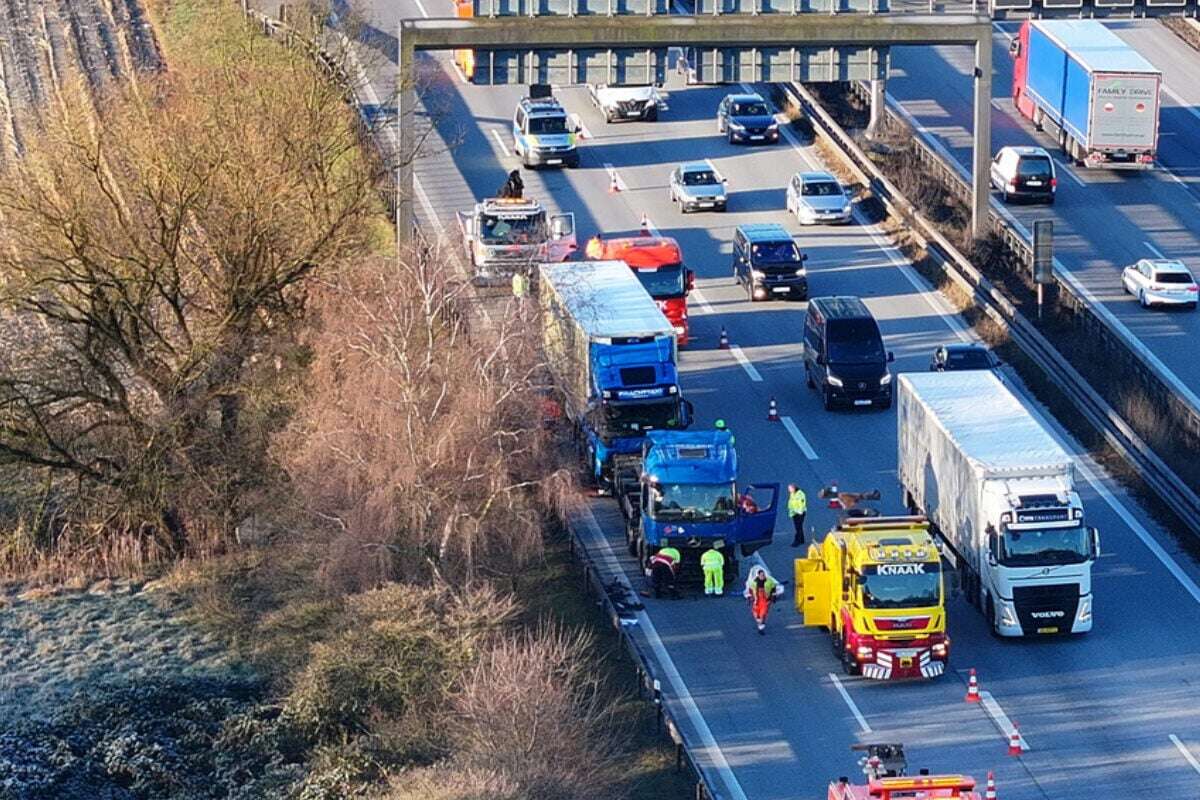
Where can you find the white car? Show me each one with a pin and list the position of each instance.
(697, 185)
(627, 102)
(817, 198)
(1161, 282)
(1024, 173)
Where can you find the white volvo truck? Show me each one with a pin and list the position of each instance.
(1000, 492)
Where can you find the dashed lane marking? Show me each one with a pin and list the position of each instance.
(1153, 249)
(799, 439)
(745, 362)
(862, 721)
(1187, 754)
(503, 147)
(998, 716)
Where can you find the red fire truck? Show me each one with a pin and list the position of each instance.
(658, 263)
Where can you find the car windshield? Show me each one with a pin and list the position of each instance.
(904, 586)
(1034, 168)
(513, 230)
(662, 282)
(1172, 277)
(749, 110)
(547, 125)
(967, 359)
(633, 417)
(711, 502)
(700, 177)
(820, 189)
(854, 341)
(784, 252)
(1039, 547)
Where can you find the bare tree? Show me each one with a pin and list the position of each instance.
(421, 439)
(154, 251)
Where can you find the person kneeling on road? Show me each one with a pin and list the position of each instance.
(761, 591)
(661, 570)
(712, 561)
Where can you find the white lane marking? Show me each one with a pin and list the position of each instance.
(1064, 169)
(503, 147)
(862, 721)
(1182, 748)
(428, 206)
(614, 176)
(1153, 249)
(710, 747)
(799, 439)
(701, 301)
(1001, 719)
(1184, 104)
(745, 362)
(424, 13)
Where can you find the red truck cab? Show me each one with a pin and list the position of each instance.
(657, 262)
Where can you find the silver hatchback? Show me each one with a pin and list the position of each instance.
(696, 185)
(817, 198)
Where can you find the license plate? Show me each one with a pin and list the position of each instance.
(906, 662)
(1033, 183)
(633, 113)
(780, 289)
(553, 160)
(862, 402)
(705, 205)
(756, 138)
(1047, 630)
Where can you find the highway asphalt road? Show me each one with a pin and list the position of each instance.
(771, 716)
(1103, 220)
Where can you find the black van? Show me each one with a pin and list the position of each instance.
(844, 357)
(767, 260)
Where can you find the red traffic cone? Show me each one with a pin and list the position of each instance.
(723, 343)
(990, 792)
(645, 224)
(613, 186)
(832, 494)
(772, 411)
(972, 689)
(1014, 742)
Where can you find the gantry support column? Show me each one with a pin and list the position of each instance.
(982, 155)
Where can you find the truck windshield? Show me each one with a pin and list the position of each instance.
(540, 126)
(1039, 547)
(917, 586)
(662, 282)
(711, 502)
(622, 419)
(513, 230)
(854, 341)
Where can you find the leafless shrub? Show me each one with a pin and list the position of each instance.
(534, 711)
(420, 440)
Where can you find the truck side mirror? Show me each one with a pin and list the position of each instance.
(804, 256)
(993, 545)
(891, 356)
(1095, 542)
(690, 277)
(689, 411)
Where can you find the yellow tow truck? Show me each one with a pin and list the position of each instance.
(875, 583)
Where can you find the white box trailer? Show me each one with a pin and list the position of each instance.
(1000, 492)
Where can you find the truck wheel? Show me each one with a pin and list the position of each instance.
(652, 114)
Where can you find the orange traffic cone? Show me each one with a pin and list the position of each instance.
(613, 186)
(772, 411)
(1014, 742)
(723, 343)
(990, 792)
(972, 689)
(645, 224)
(832, 494)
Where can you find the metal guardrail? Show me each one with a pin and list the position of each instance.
(1116, 431)
(648, 686)
(1166, 386)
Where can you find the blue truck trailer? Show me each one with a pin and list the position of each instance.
(1097, 95)
(611, 352)
(686, 495)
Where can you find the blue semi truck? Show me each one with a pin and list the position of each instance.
(611, 352)
(1097, 95)
(686, 495)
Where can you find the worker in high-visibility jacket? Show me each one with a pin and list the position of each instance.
(761, 591)
(712, 561)
(661, 570)
(797, 509)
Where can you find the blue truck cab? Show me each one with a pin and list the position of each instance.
(687, 496)
(544, 134)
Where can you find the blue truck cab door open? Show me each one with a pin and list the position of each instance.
(756, 528)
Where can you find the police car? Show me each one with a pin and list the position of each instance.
(543, 133)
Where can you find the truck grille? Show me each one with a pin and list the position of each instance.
(629, 106)
(1040, 608)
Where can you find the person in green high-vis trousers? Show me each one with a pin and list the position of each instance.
(713, 563)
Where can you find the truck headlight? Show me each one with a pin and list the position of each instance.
(941, 649)
(886, 379)
(864, 653)
(833, 380)
(1085, 611)
(1008, 617)
(679, 330)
